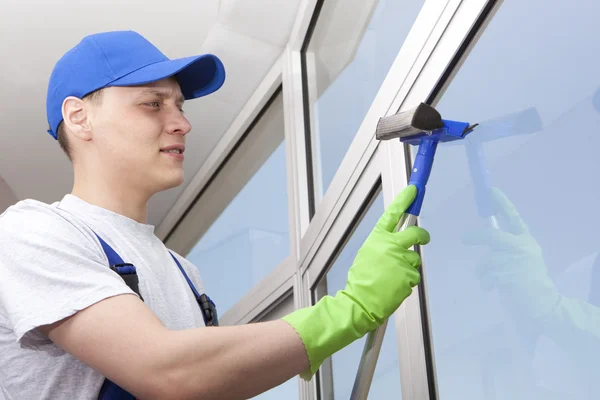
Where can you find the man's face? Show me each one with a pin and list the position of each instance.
(140, 134)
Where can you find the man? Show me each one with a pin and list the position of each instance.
(69, 323)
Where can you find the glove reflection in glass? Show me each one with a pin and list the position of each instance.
(380, 278)
(514, 264)
(515, 267)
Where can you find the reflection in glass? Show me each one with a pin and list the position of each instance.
(350, 53)
(514, 299)
(344, 364)
(249, 239)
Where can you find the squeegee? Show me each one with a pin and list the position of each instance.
(424, 127)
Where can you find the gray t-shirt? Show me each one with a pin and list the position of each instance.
(51, 266)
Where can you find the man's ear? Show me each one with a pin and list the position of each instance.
(76, 117)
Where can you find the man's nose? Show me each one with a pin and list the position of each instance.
(178, 124)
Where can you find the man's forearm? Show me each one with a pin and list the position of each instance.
(235, 362)
(122, 339)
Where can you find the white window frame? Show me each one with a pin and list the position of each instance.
(420, 42)
(311, 83)
(416, 382)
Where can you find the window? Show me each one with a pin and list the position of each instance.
(338, 373)
(349, 54)
(251, 236)
(515, 311)
(288, 389)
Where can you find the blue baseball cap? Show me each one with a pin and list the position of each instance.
(125, 58)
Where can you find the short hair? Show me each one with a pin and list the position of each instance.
(61, 134)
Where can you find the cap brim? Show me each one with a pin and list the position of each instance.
(198, 75)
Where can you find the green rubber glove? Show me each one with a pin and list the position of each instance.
(514, 265)
(381, 277)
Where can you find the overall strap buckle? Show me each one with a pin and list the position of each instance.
(209, 310)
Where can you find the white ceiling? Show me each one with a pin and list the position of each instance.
(248, 35)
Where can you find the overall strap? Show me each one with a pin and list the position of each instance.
(113, 257)
(109, 389)
(209, 310)
(127, 271)
(112, 391)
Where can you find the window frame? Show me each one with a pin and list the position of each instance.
(463, 29)
(316, 265)
(421, 41)
(278, 283)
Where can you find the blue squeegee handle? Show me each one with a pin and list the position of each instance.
(420, 172)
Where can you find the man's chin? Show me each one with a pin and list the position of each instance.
(171, 183)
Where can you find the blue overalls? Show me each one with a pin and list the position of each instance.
(110, 390)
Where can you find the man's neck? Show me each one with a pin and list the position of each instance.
(115, 199)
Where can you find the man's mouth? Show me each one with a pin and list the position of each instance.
(176, 151)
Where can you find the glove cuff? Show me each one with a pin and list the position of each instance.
(329, 326)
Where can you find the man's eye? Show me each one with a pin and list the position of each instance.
(153, 104)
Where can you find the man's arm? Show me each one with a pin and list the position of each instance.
(122, 339)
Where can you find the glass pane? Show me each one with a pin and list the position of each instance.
(350, 53)
(288, 389)
(249, 239)
(515, 311)
(344, 364)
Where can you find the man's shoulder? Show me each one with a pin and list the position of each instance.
(28, 210)
(27, 216)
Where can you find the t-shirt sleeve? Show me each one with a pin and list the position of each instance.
(49, 270)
